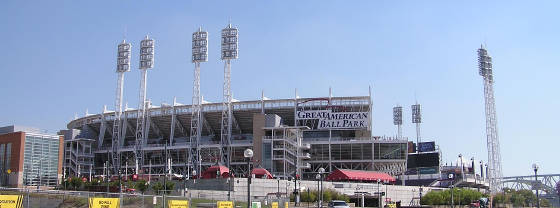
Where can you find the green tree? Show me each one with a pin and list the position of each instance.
(169, 186)
(460, 196)
(76, 182)
(141, 186)
(156, 187)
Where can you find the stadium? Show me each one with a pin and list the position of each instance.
(293, 137)
(288, 137)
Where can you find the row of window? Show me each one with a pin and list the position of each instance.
(40, 163)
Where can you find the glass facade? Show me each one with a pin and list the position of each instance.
(40, 160)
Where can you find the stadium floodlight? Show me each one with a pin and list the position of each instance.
(123, 57)
(199, 54)
(147, 53)
(416, 113)
(397, 115)
(123, 65)
(146, 62)
(200, 46)
(417, 119)
(229, 43)
(229, 51)
(492, 138)
(397, 120)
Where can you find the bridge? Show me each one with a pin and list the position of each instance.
(547, 184)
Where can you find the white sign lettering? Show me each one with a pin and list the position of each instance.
(337, 120)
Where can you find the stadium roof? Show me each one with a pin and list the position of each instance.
(359, 175)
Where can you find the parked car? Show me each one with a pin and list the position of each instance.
(338, 204)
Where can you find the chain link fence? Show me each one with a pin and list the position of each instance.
(33, 198)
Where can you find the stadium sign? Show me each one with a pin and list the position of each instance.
(104, 202)
(335, 120)
(11, 201)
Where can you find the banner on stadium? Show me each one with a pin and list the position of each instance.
(104, 203)
(225, 204)
(178, 204)
(335, 120)
(274, 204)
(11, 201)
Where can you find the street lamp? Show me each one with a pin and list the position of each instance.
(318, 177)
(378, 192)
(248, 153)
(420, 190)
(321, 171)
(278, 191)
(451, 177)
(462, 173)
(536, 168)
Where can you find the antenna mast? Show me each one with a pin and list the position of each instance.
(146, 62)
(229, 51)
(493, 143)
(123, 65)
(199, 54)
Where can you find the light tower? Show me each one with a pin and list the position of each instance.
(123, 65)
(146, 62)
(397, 120)
(199, 54)
(494, 171)
(417, 119)
(229, 52)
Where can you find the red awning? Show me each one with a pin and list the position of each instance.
(261, 173)
(211, 172)
(359, 175)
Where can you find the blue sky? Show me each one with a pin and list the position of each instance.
(58, 58)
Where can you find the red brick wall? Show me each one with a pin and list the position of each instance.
(18, 142)
(60, 153)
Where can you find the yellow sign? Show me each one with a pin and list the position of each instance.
(11, 201)
(9, 171)
(104, 203)
(178, 203)
(225, 204)
(274, 204)
(286, 204)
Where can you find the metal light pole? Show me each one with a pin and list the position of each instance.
(420, 189)
(229, 51)
(451, 177)
(462, 172)
(123, 65)
(379, 192)
(107, 174)
(199, 54)
(321, 171)
(185, 172)
(164, 174)
(248, 153)
(536, 168)
(146, 62)
(318, 177)
(278, 192)
(296, 191)
(229, 188)
(386, 195)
